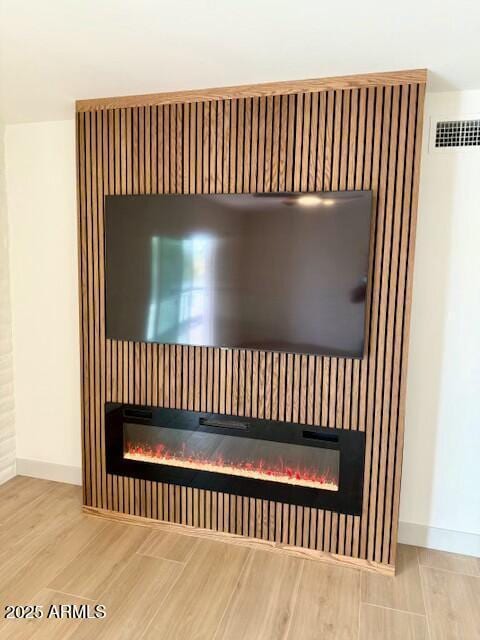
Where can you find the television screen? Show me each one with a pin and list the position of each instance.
(275, 272)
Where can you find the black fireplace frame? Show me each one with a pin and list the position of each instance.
(351, 444)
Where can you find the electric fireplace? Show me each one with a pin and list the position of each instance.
(285, 462)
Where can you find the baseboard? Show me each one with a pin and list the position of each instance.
(421, 535)
(49, 471)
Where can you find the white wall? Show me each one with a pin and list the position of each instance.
(441, 472)
(7, 425)
(41, 181)
(440, 504)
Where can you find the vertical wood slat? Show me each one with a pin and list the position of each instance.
(326, 140)
(89, 173)
(83, 299)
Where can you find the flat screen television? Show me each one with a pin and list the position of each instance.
(275, 272)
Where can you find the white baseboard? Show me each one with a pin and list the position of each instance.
(420, 535)
(49, 471)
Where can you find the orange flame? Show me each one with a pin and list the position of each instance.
(258, 469)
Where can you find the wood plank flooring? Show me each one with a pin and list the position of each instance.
(160, 584)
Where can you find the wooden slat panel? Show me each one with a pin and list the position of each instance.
(363, 133)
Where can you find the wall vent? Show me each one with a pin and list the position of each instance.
(454, 134)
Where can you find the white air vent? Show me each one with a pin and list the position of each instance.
(451, 134)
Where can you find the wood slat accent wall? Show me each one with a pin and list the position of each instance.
(365, 137)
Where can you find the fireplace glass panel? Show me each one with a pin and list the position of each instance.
(291, 464)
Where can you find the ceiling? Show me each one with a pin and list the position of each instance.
(56, 51)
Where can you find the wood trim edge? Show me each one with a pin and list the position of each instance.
(387, 78)
(254, 543)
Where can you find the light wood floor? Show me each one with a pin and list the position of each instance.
(165, 585)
